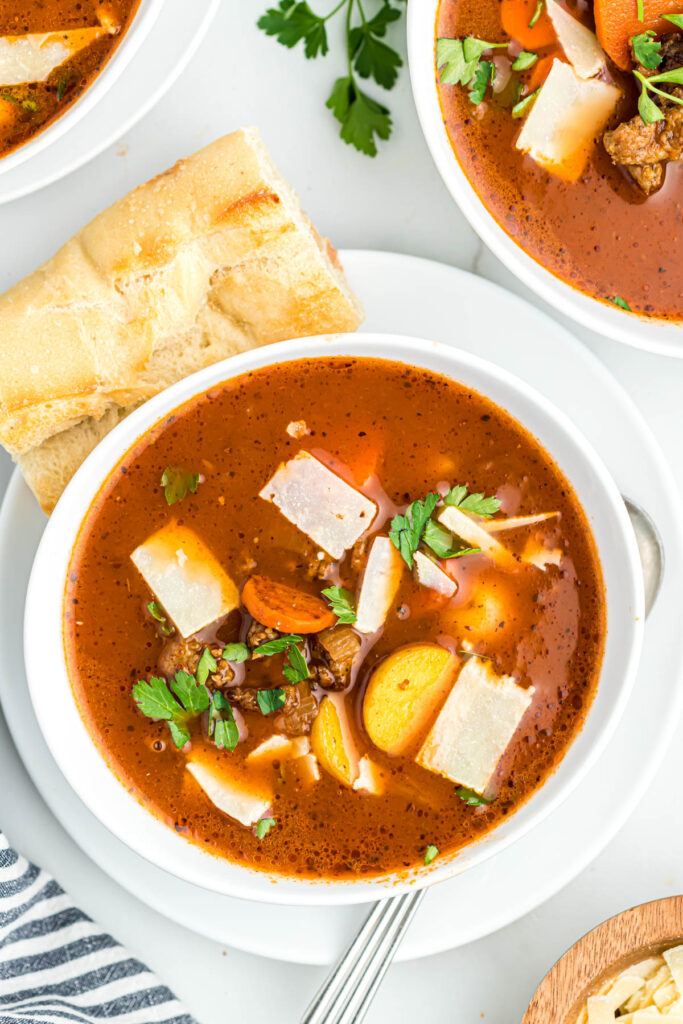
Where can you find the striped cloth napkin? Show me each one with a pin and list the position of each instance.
(56, 966)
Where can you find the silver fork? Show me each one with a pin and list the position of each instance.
(346, 994)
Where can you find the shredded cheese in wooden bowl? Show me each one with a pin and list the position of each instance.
(641, 993)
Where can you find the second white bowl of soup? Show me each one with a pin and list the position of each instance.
(332, 618)
(583, 234)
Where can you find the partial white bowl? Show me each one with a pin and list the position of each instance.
(85, 769)
(642, 332)
(140, 27)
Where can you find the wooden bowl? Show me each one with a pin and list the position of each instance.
(617, 943)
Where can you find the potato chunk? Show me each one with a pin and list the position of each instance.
(186, 577)
(332, 744)
(322, 505)
(378, 587)
(234, 799)
(404, 694)
(475, 726)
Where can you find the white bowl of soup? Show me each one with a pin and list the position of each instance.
(532, 157)
(332, 618)
(57, 60)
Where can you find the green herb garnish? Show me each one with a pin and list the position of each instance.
(406, 530)
(520, 108)
(430, 853)
(222, 724)
(237, 653)
(539, 10)
(442, 543)
(483, 77)
(647, 108)
(618, 301)
(270, 700)
(62, 86)
(155, 611)
(155, 700)
(524, 60)
(297, 669)
(176, 482)
(675, 19)
(363, 119)
(25, 104)
(459, 61)
(474, 654)
(279, 645)
(640, 9)
(471, 798)
(477, 504)
(264, 826)
(646, 49)
(207, 665)
(341, 603)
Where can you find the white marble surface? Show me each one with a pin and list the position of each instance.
(395, 202)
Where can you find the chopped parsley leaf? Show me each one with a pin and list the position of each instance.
(430, 853)
(524, 60)
(176, 482)
(264, 826)
(155, 700)
(646, 49)
(26, 104)
(237, 653)
(520, 108)
(477, 504)
(647, 108)
(270, 700)
(641, 10)
(442, 542)
(155, 611)
(207, 665)
(539, 10)
(675, 19)
(297, 669)
(483, 76)
(341, 603)
(618, 301)
(471, 798)
(279, 645)
(222, 724)
(406, 530)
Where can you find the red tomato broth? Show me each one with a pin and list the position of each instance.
(599, 234)
(235, 435)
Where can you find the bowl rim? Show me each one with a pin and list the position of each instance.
(652, 334)
(640, 931)
(140, 26)
(155, 841)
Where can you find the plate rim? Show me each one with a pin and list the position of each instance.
(357, 261)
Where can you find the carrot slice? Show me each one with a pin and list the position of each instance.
(616, 22)
(541, 70)
(516, 15)
(285, 608)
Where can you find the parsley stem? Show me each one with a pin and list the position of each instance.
(362, 13)
(647, 85)
(335, 9)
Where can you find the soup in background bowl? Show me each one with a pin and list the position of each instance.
(56, 61)
(326, 616)
(536, 153)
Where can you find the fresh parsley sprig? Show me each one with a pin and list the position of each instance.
(471, 798)
(297, 669)
(341, 603)
(406, 531)
(363, 119)
(441, 541)
(477, 504)
(176, 704)
(460, 63)
(647, 108)
(155, 611)
(271, 700)
(222, 724)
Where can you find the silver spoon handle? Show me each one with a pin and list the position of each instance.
(347, 992)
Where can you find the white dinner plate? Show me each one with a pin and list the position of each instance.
(177, 32)
(413, 296)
